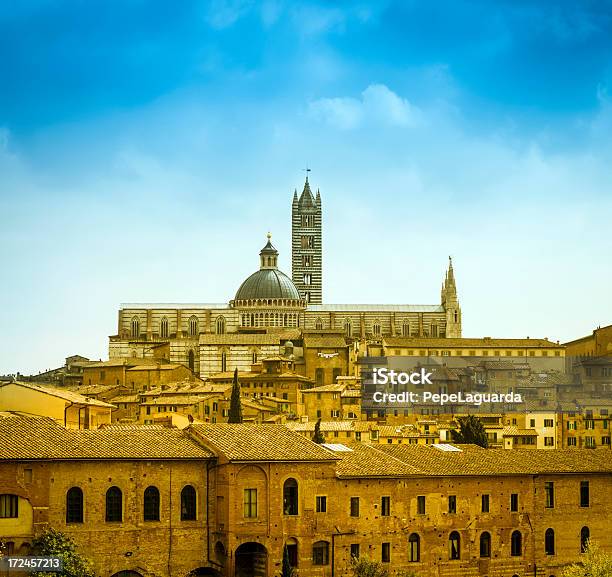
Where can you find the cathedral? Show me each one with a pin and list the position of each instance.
(271, 312)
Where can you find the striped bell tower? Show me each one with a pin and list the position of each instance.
(306, 247)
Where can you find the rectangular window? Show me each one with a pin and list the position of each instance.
(485, 503)
(514, 502)
(320, 553)
(452, 504)
(548, 422)
(584, 493)
(250, 503)
(385, 506)
(355, 550)
(386, 553)
(27, 475)
(532, 423)
(549, 488)
(571, 441)
(549, 441)
(354, 506)
(319, 374)
(605, 441)
(321, 504)
(589, 424)
(421, 505)
(9, 506)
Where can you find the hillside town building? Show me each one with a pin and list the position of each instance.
(226, 500)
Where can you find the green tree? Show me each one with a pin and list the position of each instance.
(235, 412)
(287, 570)
(318, 436)
(364, 567)
(471, 430)
(53, 543)
(593, 563)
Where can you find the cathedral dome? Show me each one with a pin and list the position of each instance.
(268, 282)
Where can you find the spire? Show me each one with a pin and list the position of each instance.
(306, 198)
(268, 254)
(450, 275)
(318, 200)
(295, 196)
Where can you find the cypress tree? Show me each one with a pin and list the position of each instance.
(235, 412)
(287, 570)
(471, 430)
(318, 436)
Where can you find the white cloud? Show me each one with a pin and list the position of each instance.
(224, 13)
(378, 104)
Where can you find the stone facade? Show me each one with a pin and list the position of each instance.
(307, 245)
(268, 301)
(433, 509)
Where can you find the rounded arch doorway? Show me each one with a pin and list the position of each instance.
(251, 560)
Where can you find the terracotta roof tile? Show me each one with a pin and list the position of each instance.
(25, 438)
(366, 461)
(268, 442)
(65, 394)
(472, 461)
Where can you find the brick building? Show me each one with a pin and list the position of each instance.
(225, 500)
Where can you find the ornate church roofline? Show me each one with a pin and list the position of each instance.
(170, 306)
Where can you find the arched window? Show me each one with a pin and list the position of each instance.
(549, 542)
(320, 553)
(191, 360)
(348, 327)
(193, 326)
(163, 330)
(454, 546)
(223, 361)
(114, 505)
(135, 327)
(188, 503)
(292, 551)
(405, 329)
(220, 325)
(74, 505)
(414, 546)
(319, 325)
(151, 504)
(376, 329)
(290, 497)
(516, 544)
(456, 316)
(485, 544)
(585, 535)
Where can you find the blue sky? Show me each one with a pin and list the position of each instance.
(146, 148)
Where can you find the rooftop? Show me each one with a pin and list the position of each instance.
(247, 442)
(474, 461)
(483, 342)
(64, 394)
(30, 438)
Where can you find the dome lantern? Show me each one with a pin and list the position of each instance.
(268, 255)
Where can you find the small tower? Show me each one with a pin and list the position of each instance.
(450, 302)
(306, 244)
(268, 255)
